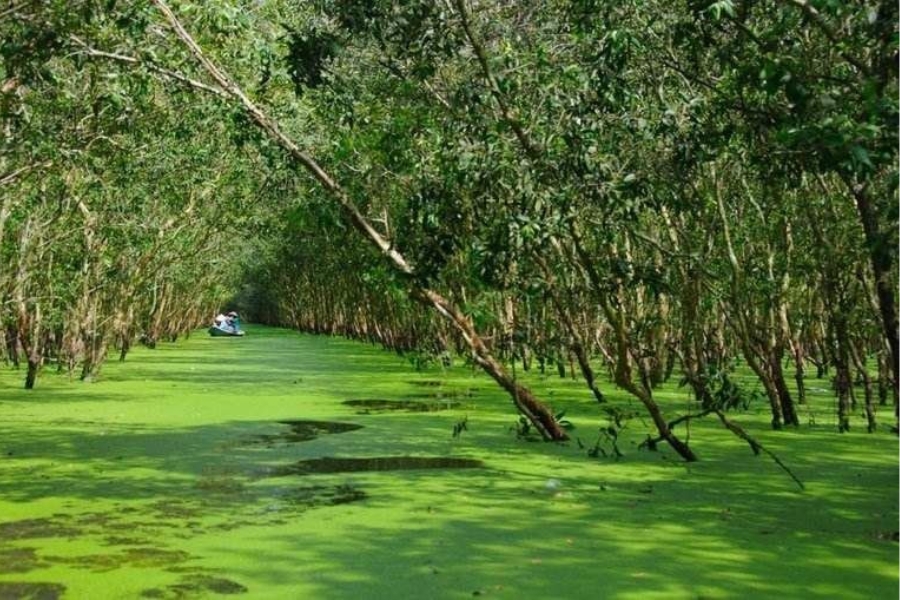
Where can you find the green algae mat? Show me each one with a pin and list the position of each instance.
(287, 466)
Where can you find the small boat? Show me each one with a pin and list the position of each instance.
(216, 332)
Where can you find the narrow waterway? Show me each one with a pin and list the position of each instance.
(288, 466)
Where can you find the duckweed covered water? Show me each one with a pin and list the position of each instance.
(152, 483)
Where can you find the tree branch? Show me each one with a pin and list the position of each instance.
(132, 60)
(532, 150)
(816, 18)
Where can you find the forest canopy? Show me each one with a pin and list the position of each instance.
(635, 191)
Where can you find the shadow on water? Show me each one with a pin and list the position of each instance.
(375, 405)
(18, 560)
(321, 495)
(301, 431)
(130, 537)
(328, 464)
(192, 586)
(31, 590)
(151, 488)
(426, 382)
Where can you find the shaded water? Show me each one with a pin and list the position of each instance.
(28, 590)
(329, 464)
(302, 431)
(375, 405)
(193, 586)
(146, 484)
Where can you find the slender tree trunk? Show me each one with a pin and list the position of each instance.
(797, 354)
(586, 370)
(768, 385)
(788, 411)
(858, 355)
(12, 344)
(842, 379)
(523, 398)
(884, 379)
(32, 373)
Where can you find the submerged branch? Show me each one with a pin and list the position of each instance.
(133, 60)
(755, 445)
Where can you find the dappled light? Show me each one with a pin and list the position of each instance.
(417, 299)
(158, 484)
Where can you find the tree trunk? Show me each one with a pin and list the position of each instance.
(586, 371)
(798, 372)
(12, 344)
(525, 401)
(884, 379)
(31, 376)
(124, 348)
(788, 412)
(858, 354)
(842, 389)
(842, 378)
(768, 385)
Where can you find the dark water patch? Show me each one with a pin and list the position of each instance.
(35, 528)
(220, 485)
(301, 431)
(195, 586)
(28, 590)
(444, 395)
(115, 540)
(19, 560)
(322, 495)
(380, 463)
(285, 503)
(146, 557)
(94, 519)
(177, 509)
(232, 524)
(375, 405)
(187, 570)
(217, 585)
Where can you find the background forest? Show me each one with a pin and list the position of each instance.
(626, 191)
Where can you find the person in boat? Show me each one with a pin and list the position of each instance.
(225, 322)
